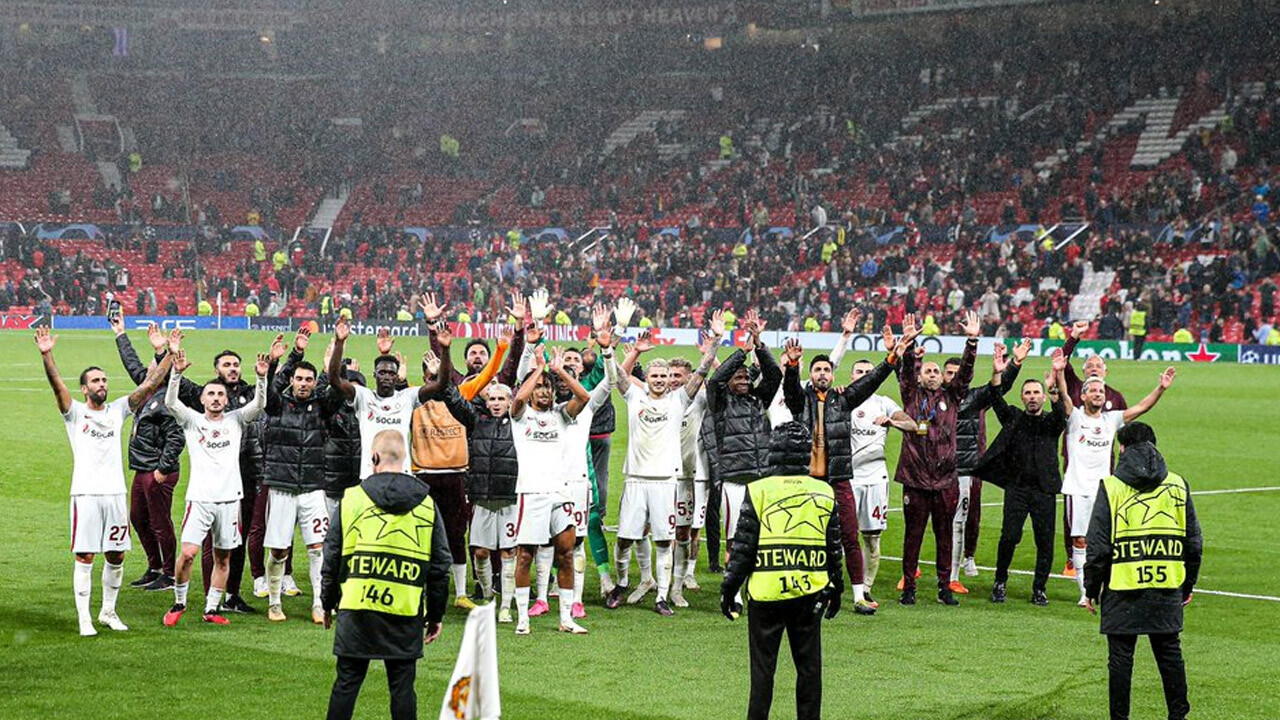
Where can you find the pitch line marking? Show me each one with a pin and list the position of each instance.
(1229, 491)
(1198, 591)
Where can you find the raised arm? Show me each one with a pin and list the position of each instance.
(848, 326)
(710, 342)
(128, 357)
(151, 383)
(172, 400)
(1059, 364)
(45, 343)
(250, 412)
(1078, 329)
(433, 387)
(1136, 411)
(643, 344)
(509, 374)
(792, 392)
(471, 386)
(909, 368)
(337, 381)
(972, 327)
(580, 395)
(605, 366)
(525, 391)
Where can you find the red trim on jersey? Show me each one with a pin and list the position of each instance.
(75, 521)
(186, 515)
(519, 515)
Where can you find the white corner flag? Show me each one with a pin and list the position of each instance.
(473, 690)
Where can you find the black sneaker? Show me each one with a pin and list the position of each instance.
(614, 598)
(164, 582)
(1039, 599)
(716, 567)
(147, 578)
(946, 597)
(236, 604)
(862, 607)
(998, 593)
(870, 600)
(908, 597)
(662, 608)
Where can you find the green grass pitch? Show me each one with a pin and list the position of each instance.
(1217, 426)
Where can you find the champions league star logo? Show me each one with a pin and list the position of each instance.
(792, 512)
(373, 512)
(1127, 514)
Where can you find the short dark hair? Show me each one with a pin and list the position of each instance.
(1136, 432)
(225, 353)
(84, 374)
(821, 357)
(1028, 381)
(473, 342)
(681, 362)
(386, 359)
(951, 361)
(304, 365)
(216, 381)
(863, 361)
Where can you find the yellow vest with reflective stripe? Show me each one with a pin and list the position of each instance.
(386, 555)
(791, 558)
(1148, 532)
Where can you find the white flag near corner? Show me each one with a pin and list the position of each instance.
(472, 693)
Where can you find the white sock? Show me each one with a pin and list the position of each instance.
(112, 578)
(957, 549)
(691, 557)
(484, 573)
(459, 579)
(1077, 559)
(315, 560)
(275, 576)
(566, 605)
(622, 563)
(579, 573)
(212, 600)
(522, 603)
(544, 558)
(664, 570)
(644, 556)
(872, 556)
(508, 582)
(82, 584)
(679, 564)
(180, 593)
(859, 592)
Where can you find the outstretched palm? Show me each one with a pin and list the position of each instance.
(45, 341)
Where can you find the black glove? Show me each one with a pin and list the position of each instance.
(728, 607)
(832, 600)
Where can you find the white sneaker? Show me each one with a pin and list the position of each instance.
(677, 598)
(644, 588)
(1084, 602)
(970, 568)
(504, 615)
(289, 587)
(570, 627)
(691, 583)
(606, 585)
(112, 620)
(260, 587)
(87, 629)
(522, 627)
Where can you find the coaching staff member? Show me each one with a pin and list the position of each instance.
(786, 549)
(386, 571)
(1144, 554)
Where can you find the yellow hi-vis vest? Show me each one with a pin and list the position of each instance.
(1148, 531)
(386, 555)
(791, 558)
(1138, 323)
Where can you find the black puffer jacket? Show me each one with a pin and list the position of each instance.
(494, 467)
(294, 434)
(971, 422)
(342, 443)
(375, 635)
(1138, 612)
(741, 422)
(803, 404)
(156, 442)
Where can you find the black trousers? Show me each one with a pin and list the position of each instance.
(766, 621)
(1019, 502)
(1173, 673)
(351, 672)
(711, 533)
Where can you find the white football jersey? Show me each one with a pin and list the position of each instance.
(376, 414)
(540, 437)
(868, 440)
(1089, 442)
(653, 434)
(98, 467)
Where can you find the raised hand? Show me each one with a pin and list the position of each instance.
(849, 325)
(517, 309)
(385, 341)
(791, 350)
(599, 317)
(1021, 350)
(539, 305)
(644, 343)
(45, 341)
(263, 364)
(341, 329)
(116, 322)
(402, 371)
(175, 340)
(431, 362)
(532, 333)
(432, 310)
(445, 335)
(705, 341)
(540, 360)
(1166, 378)
(506, 334)
(1079, 328)
(1000, 358)
(180, 362)
(908, 323)
(887, 337)
(302, 339)
(278, 348)
(971, 324)
(328, 354)
(624, 310)
(557, 360)
(717, 323)
(156, 337)
(1059, 361)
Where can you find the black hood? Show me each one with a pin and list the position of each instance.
(789, 449)
(1142, 467)
(395, 492)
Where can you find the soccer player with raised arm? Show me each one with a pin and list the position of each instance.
(1090, 437)
(99, 513)
(214, 487)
